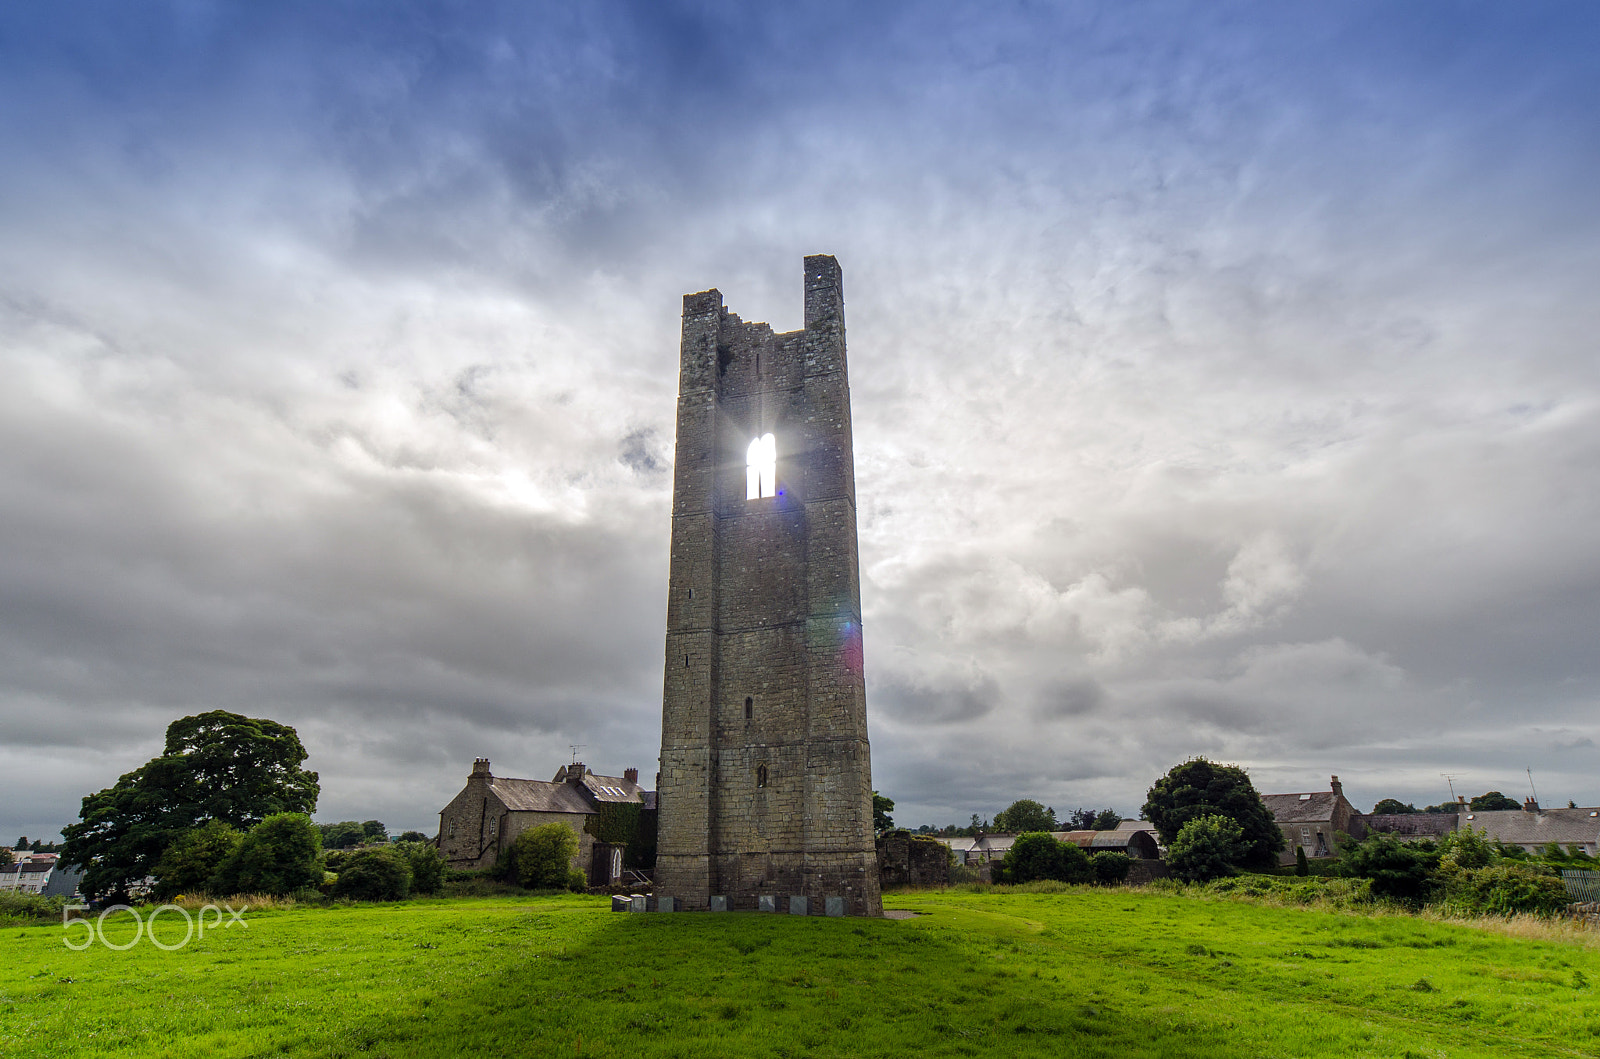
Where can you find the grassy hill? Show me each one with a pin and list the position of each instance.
(1119, 973)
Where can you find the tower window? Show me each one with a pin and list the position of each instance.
(761, 468)
(749, 707)
(761, 774)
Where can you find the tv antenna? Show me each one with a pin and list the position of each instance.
(1531, 787)
(1451, 780)
(575, 747)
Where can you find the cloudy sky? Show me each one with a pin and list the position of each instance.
(1224, 382)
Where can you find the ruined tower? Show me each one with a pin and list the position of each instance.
(766, 780)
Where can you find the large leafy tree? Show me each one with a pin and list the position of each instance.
(1493, 800)
(1025, 815)
(214, 766)
(1198, 788)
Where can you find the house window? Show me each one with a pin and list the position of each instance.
(749, 707)
(1305, 833)
(494, 825)
(761, 468)
(761, 774)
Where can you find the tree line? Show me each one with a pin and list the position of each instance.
(226, 808)
(1026, 815)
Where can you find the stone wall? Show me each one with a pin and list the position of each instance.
(905, 859)
(765, 767)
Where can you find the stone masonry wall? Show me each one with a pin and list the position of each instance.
(765, 768)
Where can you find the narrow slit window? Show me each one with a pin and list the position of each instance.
(761, 468)
(761, 774)
(749, 707)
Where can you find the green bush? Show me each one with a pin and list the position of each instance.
(377, 873)
(427, 866)
(1507, 888)
(540, 858)
(1038, 855)
(1206, 848)
(1400, 871)
(19, 909)
(281, 854)
(1302, 867)
(188, 864)
(1110, 867)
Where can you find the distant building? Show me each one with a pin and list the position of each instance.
(1314, 820)
(491, 811)
(38, 873)
(1138, 843)
(1534, 828)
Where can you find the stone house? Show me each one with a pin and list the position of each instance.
(491, 811)
(1313, 821)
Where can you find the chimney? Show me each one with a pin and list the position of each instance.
(575, 772)
(1338, 788)
(631, 775)
(1529, 805)
(480, 767)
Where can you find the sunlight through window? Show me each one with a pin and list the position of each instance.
(761, 468)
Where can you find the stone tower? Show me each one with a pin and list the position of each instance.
(766, 780)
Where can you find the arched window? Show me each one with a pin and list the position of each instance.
(761, 774)
(761, 468)
(749, 707)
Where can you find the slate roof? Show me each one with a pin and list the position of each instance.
(539, 796)
(1519, 827)
(1309, 808)
(561, 796)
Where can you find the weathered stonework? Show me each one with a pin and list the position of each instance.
(905, 859)
(765, 783)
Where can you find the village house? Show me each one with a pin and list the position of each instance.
(39, 873)
(1314, 821)
(491, 811)
(1533, 828)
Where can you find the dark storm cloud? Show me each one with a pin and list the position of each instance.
(1223, 381)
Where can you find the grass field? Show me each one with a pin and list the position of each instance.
(1122, 973)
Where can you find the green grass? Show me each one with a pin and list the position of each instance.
(1086, 972)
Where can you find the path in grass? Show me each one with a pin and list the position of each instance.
(1086, 973)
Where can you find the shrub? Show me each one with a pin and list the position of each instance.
(1039, 856)
(1400, 871)
(279, 855)
(187, 865)
(1467, 849)
(1301, 866)
(377, 873)
(1206, 848)
(541, 857)
(1507, 888)
(18, 908)
(427, 866)
(1110, 867)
